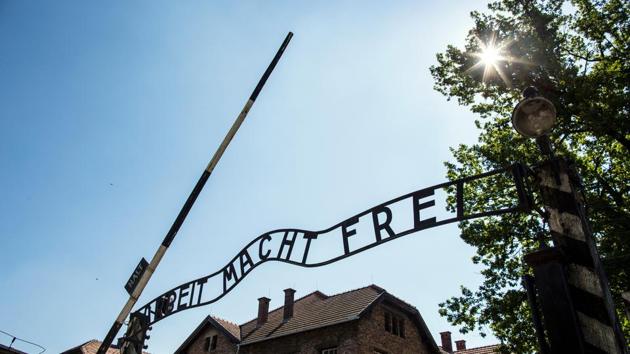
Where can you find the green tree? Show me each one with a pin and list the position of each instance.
(577, 53)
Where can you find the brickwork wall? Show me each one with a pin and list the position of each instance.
(372, 334)
(342, 336)
(364, 336)
(224, 346)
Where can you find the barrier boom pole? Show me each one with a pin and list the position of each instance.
(172, 232)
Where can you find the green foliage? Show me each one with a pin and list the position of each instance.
(577, 53)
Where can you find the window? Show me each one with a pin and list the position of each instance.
(210, 343)
(401, 328)
(329, 351)
(394, 325)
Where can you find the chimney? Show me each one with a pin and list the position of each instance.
(447, 345)
(460, 344)
(263, 310)
(288, 303)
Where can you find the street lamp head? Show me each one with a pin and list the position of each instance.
(534, 116)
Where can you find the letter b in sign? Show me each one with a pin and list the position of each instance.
(165, 305)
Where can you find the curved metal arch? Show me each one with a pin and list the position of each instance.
(191, 294)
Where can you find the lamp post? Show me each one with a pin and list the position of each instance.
(534, 116)
(569, 281)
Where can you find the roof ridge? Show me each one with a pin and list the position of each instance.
(483, 346)
(373, 286)
(403, 301)
(280, 307)
(230, 327)
(80, 346)
(223, 320)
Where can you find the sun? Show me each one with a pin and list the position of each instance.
(491, 57)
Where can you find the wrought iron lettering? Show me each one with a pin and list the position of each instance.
(385, 222)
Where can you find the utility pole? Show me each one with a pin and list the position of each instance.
(144, 271)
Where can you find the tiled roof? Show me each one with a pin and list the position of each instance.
(91, 347)
(233, 328)
(312, 311)
(488, 349)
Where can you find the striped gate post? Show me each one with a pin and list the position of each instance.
(561, 331)
(587, 284)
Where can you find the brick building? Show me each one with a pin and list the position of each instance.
(366, 320)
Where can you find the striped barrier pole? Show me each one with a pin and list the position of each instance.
(172, 232)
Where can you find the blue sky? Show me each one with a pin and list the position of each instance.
(110, 111)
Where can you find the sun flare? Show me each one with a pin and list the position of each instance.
(491, 58)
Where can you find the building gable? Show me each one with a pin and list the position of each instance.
(213, 335)
(388, 327)
(315, 317)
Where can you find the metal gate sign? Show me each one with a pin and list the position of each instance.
(132, 283)
(388, 221)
